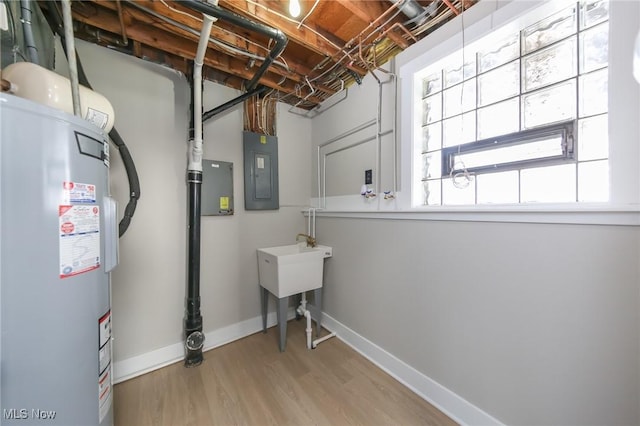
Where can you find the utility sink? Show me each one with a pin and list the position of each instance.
(291, 269)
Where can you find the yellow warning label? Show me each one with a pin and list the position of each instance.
(263, 139)
(224, 203)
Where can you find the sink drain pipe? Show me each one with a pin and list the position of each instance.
(194, 338)
(303, 311)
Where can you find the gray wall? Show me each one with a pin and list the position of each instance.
(535, 324)
(151, 105)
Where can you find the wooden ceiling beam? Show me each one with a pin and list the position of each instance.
(367, 11)
(309, 39)
(296, 72)
(185, 48)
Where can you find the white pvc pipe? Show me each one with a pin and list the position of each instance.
(195, 151)
(307, 315)
(322, 339)
(303, 311)
(71, 55)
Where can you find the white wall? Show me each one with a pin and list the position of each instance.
(151, 105)
(534, 324)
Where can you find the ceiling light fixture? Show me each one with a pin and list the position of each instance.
(294, 8)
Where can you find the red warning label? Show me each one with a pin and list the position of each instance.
(67, 228)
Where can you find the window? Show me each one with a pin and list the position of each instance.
(518, 116)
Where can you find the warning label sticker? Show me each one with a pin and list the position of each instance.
(105, 150)
(104, 354)
(75, 192)
(104, 393)
(79, 241)
(104, 324)
(97, 118)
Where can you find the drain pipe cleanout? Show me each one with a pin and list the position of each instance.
(194, 338)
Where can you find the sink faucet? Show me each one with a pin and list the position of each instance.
(311, 242)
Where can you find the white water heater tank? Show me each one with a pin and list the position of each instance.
(31, 81)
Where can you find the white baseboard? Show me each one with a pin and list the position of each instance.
(454, 406)
(147, 362)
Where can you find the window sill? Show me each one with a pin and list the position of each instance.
(583, 214)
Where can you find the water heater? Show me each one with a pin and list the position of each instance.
(58, 243)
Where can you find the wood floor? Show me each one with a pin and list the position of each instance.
(249, 382)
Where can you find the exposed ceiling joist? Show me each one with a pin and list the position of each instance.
(336, 45)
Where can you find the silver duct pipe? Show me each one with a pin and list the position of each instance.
(27, 29)
(414, 11)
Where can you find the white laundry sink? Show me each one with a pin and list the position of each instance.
(291, 269)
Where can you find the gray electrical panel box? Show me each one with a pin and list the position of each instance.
(217, 188)
(260, 172)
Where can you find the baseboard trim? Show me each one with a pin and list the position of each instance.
(150, 361)
(453, 405)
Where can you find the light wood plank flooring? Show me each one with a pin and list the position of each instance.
(249, 382)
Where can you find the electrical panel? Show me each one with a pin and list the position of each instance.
(217, 188)
(260, 172)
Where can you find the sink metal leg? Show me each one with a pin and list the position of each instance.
(283, 305)
(264, 303)
(317, 297)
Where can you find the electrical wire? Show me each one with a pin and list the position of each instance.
(308, 14)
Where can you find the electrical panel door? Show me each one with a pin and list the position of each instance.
(260, 172)
(217, 188)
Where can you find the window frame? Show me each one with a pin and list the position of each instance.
(566, 130)
(421, 67)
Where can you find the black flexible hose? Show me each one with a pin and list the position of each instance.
(127, 160)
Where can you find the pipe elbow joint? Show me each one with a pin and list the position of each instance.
(280, 35)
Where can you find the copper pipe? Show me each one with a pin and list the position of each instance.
(366, 63)
(402, 28)
(125, 40)
(346, 52)
(451, 6)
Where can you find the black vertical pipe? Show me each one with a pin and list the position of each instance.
(193, 321)
(194, 338)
